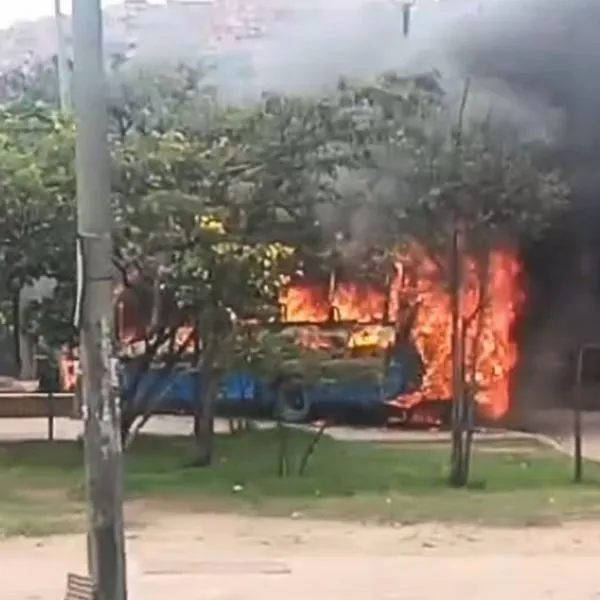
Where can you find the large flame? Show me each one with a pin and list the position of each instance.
(489, 305)
(419, 290)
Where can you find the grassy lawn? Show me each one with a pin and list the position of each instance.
(41, 488)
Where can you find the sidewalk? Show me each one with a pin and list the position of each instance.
(556, 425)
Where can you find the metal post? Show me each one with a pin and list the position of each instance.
(64, 72)
(577, 436)
(103, 453)
(51, 409)
(406, 18)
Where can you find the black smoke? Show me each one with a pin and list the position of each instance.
(550, 50)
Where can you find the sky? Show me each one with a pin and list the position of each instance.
(28, 10)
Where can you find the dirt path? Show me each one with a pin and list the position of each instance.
(229, 558)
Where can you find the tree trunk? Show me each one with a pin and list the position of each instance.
(465, 414)
(207, 388)
(204, 432)
(310, 450)
(457, 452)
(458, 354)
(26, 343)
(134, 417)
(127, 420)
(282, 449)
(16, 315)
(469, 426)
(483, 267)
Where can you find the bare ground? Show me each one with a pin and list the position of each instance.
(228, 558)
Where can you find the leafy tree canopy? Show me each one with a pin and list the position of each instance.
(227, 203)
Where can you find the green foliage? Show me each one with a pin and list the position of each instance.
(261, 175)
(175, 201)
(144, 101)
(494, 190)
(29, 86)
(443, 170)
(50, 320)
(269, 353)
(218, 207)
(37, 202)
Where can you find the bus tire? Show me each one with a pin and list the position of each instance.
(292, 404)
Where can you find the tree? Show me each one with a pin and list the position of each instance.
(461, 192)
(262, 171)
(144, 100)
(233, 213)
(227, 212)
(30, 86)
(37, 233)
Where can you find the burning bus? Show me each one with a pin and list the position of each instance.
(394, 342)
(418, 306)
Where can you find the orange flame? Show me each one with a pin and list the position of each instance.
(419, 286)
(490, 351)
(348, 302)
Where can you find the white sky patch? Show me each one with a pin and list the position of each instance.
(12, 11)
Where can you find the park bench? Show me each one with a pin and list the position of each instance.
(80, 587)
(36, 405)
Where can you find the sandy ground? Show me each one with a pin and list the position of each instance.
(234, 558)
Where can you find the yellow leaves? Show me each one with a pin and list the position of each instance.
(233, 249)
(211, 224)
(277, 251)
(267, 256)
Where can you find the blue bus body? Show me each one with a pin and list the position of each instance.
(242, 393)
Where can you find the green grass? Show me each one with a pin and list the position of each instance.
(41, 487)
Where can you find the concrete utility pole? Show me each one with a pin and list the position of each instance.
(64, 71)
(103, 453)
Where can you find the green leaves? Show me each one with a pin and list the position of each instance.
(37, 203)
(223, 205)
(37, 228)
(474, 173)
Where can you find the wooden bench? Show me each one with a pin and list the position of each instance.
(37, 405)
(80, 587)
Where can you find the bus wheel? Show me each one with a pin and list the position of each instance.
(293, 405)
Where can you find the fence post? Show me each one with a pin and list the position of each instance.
(51, 412)
(577, 437)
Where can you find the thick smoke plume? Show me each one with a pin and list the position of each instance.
(533, 62)
(454, 37)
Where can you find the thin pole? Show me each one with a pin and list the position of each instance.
(406, 17)
(64, 72)
(577, 436)
(456, 289)
(103, 453)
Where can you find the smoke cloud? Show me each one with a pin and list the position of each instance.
(533, 63)
(457, 38)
